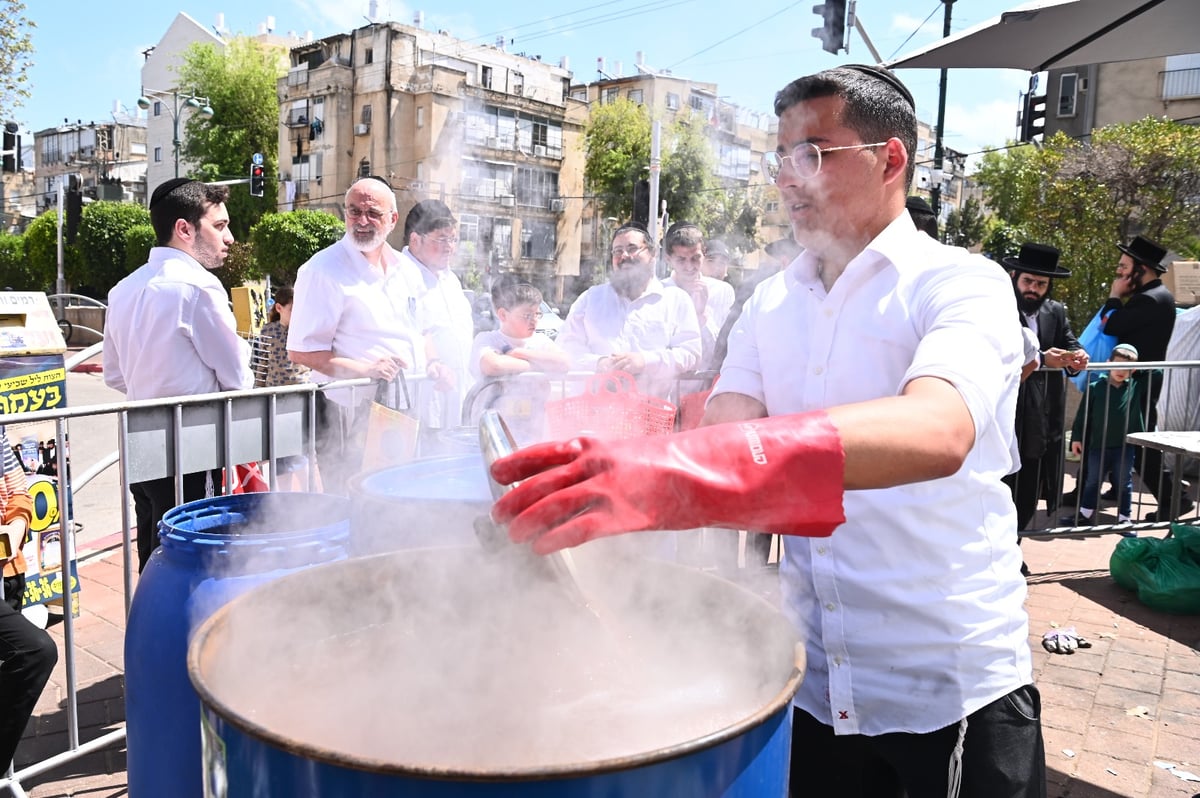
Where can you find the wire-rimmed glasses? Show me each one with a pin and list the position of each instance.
(805, 158)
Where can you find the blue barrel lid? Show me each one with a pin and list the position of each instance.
(457, 478)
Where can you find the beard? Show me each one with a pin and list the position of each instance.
(366, 240)
(631, 280)
(1030, 305)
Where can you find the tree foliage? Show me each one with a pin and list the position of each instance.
(139, 240)
(284, 241)
(1085, 197)
(617, 143)
(965, 226)
(101, 243)
(687, 183)
(16, 49)
(14, 268)
(41, 253)
(239, 82)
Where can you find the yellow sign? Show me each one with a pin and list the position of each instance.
(250, 308)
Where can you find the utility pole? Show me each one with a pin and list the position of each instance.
(655, 169)
(935, 190)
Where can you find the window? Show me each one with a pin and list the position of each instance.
(611, 95)
(772, 206)
(635, 95)
(1181, 77)
(366, 115)
(672, 101)
(420, 117)
(468, 228)
(485, 77)
(518, 84)
(158, 154)
(538, 240)
(536, 187)
(1067, 87)
(158, 107)
(368, 56)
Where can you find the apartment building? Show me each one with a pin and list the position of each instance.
(108, 158)
(493, 134)
(1080, 99)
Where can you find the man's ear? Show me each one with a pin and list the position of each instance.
(897, 160)
(182, 230)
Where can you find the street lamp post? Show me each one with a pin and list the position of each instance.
(198, 104)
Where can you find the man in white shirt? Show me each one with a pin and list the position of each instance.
(633, 323)
(443, 311)
(169, 331)
(712, 298)
(354, 316)
(867, 403)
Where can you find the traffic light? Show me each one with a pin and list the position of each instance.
(833, 32)
(12, 148)
(257, 181)
(1033, 110)
(641, 202)
(73, 206)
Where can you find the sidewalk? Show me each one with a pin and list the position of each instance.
(1109, 712)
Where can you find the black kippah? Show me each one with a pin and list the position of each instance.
(879, 73)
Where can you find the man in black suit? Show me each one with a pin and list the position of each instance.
(1141, 311)
(1041, 400)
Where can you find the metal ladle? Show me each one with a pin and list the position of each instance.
(496, 441)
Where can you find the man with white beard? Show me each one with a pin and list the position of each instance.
(633, 323)
(354, 316)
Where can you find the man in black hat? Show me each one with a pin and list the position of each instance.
(1042, 396)
(1141, 311)
(922, 215)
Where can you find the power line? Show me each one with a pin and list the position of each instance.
(914, 33)
(735, 35)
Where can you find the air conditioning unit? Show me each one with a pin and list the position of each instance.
(493, 142)
(1083, 84)
(539, 150)
(362, 129)
(558, 205)
(508, 200)
(416, 185)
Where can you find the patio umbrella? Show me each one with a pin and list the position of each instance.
(1048, 34)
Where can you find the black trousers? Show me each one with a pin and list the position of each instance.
(1003, 756)
(27, 658)
(152, 499)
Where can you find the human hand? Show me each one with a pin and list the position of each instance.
(1077, 359)
(1076, 448)
(443, 376)
(12, 537)
(631, 362)
(385, 368)
(724, 475)
(1121, 287)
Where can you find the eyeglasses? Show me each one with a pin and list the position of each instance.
(441, 241)
(805, 158)
(630, 251)
(534, 317)
(370, 213)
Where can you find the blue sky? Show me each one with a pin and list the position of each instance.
(88, 55)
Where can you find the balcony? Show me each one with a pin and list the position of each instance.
(1179, 84)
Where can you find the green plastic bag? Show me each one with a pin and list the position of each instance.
(1164, 572)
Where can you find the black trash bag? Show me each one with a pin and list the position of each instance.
(1165, 573)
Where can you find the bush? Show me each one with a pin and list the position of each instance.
(102, 229)
(139, 240)
(283, 242)
(41, 254)
(14, 270)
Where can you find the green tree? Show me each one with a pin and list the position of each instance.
(101, 242)
(16, 47)
(139, 240)
(284, 241)
(14, 269)
(41, 253)
(1084, 197)
(735, 217)
(687, 183)
(239, 82)
(966, 226)
(617, 142)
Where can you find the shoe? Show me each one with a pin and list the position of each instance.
(1185, 508)
(1068, 499)
(1070, 520)
(1110, 494)
(1024, 569)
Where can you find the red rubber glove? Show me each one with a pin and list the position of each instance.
(781, 474)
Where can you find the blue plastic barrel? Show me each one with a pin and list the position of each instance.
(267, 734)
(211, 551)
(427, 502)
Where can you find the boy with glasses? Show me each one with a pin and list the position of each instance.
(516, 349)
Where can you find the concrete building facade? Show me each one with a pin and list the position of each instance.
(491, 133)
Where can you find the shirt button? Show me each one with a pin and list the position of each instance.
(837, 660)
(830, 606)
(827, 312)
(819, 370)
(822, 550)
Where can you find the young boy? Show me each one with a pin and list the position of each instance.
(1113, 407)
(516, 349)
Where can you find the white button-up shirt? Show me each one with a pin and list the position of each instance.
(716, 309)
(912, 611)
(169, 331)
(660, 324)
(345, 305)
(444, 317)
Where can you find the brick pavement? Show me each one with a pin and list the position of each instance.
(1139, 659)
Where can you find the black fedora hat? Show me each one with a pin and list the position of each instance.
(1041, 259)
(1145, 252)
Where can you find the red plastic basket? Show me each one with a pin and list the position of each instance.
(610, 407)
